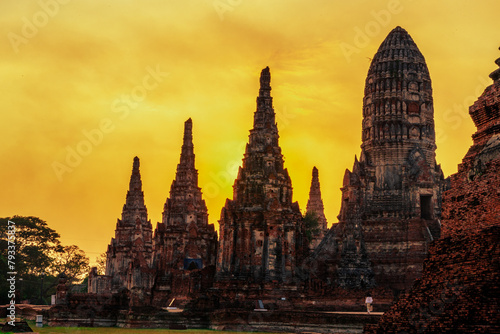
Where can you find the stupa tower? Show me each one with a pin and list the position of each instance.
(398, 132)
(185, 203)
(463, 264)
(184, 241)
(315, 207)
(261, 227)
(391, 200)
(128, 259)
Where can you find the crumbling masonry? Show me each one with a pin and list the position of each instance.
(261, 232)
(391, 199)
(459, 291)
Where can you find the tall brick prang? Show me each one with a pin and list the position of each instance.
(184, 241)
(459, 291)
(261, 237)
(391, 199)
(315, 207)
(128, 260)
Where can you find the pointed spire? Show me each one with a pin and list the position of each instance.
(265, 82)
(135, 185)
(187, 153)
(315, 174)
(315, 203)
(264, 116)
(134, 204)
(186, 171)
(264, 139)
(184, 191)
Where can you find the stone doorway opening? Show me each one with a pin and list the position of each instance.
(426, 211)
(193, 264)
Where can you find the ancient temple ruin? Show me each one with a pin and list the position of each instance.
(391, 204)
(316, 209)
(128, 258)
(394, 201)
(180, 259)
(185, 244)
(261, 232)
(458, 291)
(391, 199)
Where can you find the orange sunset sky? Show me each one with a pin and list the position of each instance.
(129, 73)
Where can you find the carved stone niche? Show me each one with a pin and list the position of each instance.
(413, 108)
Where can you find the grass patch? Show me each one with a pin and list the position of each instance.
(117, 330)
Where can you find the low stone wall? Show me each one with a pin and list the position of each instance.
(86, 310)
(342, 300)
(163, 319)
(76, 321)
(290, 321)
(26, 311)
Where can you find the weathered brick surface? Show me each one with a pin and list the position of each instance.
(261, 231)
(184, 243)
(315, 206)
(179, 261)
(391, 199)
(128, 262)
(470, 206)
(459, 291)
(473, 202)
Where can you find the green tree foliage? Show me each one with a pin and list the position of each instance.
(35, 243)
(311, 224)
(39, 259)
(72, 262)
(101, 263)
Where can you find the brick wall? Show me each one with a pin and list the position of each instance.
(459, 290)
